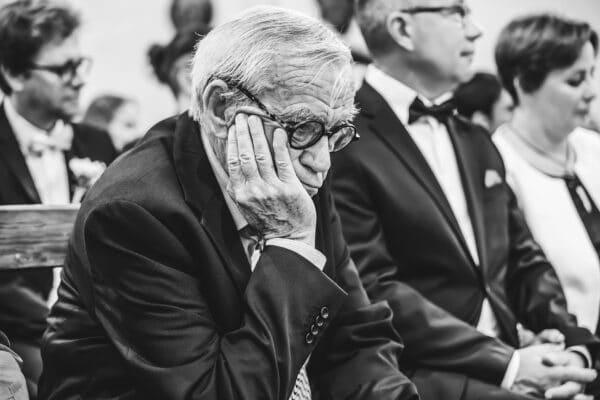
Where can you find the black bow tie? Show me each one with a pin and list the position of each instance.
(440, 112)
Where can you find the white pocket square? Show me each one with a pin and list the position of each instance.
(492, 178)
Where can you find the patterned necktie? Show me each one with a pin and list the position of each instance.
(301, 387)
(440, 112)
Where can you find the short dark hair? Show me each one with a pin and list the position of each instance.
(25, 27)
(478, 94)
(163, 57)
(532, 46)
(102, 110)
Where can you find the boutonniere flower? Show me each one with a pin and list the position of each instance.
(86, 174)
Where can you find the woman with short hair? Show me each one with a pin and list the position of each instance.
(546, 62)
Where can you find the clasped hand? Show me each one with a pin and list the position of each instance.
(266, 188)
(547, 369)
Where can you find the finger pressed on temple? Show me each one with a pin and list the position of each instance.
(285, 169)
(245, 148)
(233, 162)
(262, 153)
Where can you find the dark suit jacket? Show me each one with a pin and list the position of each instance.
(410, 251)
(158, 299)
(22, 294)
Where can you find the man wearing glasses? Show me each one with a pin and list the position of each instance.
(208, 262)
(433, 227)
(42, 72)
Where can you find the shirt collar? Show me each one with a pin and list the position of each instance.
(398, 95)
(27, 134)
(223, 180)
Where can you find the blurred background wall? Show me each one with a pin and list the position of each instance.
(118, 33)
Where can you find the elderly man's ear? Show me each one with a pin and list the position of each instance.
(216, 105)
(399, 27)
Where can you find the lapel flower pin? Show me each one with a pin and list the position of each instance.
(86, 174)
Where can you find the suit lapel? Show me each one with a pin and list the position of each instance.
(387, 126)
(469, 168)
(11, 153)
(202, 192)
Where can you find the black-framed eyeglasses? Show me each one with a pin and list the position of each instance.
(68, 70)
(462, 10)
(305, 134)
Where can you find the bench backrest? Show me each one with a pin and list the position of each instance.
(35, 236)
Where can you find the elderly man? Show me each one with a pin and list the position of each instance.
(435, 230)
(42, 71)
(201, 268)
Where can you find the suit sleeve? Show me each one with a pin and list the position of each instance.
(23, 309)
(433, 338)
(533, 286)
(358, 359)
(154, 312)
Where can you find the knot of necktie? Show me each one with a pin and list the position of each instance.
(59, 138)
(441, 112)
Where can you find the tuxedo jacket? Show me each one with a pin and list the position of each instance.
(410, 251)
(23, 307)
(158, 299)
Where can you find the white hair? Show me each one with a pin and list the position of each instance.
(246, 50)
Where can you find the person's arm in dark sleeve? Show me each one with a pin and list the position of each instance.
(158, 319)
(359, 356)
(433, 338)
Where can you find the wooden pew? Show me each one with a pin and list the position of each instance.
(35, 236)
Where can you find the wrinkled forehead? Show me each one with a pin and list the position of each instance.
(324, 91)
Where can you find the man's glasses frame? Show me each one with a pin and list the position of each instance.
(291, 129)
(461, 10)
(67, 71)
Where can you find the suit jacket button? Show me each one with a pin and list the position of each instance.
(314, 330)
(319, 321)
(325, 312)
(309, 338)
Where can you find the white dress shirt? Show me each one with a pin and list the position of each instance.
(313, 255)
(553, 219)
(47, 166)
(43, 153)
(433, 140)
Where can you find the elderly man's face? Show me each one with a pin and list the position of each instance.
(309, 94)
(444, 41)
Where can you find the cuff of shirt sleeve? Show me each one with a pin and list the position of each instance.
(511, 371)
(583, 352)
(313, 255)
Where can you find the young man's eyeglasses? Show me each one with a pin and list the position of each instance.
(307, 133)
(67, 71)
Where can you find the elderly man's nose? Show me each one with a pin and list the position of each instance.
(317, 156)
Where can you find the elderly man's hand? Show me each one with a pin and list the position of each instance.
(270, 196)
(12, 381)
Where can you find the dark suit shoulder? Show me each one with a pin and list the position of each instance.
(145, 176)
